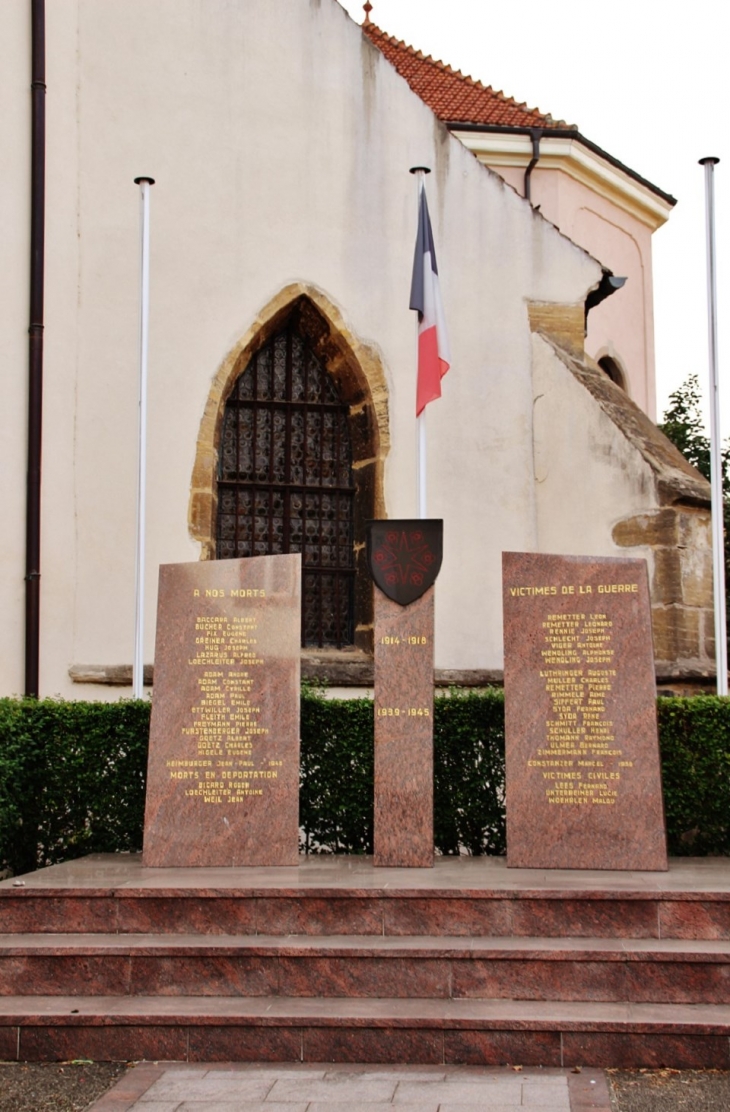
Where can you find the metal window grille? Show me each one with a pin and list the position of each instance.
(285, 480)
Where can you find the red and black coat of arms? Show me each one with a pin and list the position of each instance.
(404, 556)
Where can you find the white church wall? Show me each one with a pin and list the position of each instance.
(608, 483)
(588, 476)
(280, 141)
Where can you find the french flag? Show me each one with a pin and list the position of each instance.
(434, 358)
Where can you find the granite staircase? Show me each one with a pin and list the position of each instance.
(338, 962)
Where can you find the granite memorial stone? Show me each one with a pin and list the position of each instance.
(404, 558)
(583, 775)
(223, 774)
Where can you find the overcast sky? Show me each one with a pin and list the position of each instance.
(648, 83)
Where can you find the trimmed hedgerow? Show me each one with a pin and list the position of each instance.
(468, 774)
(336, 795)
(694, 737)
(72, 776)
(336, 775)
(72, 779)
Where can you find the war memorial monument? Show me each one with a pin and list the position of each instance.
(222, 944)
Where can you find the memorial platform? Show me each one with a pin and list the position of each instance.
(338, 960)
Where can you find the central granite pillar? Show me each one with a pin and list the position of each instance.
(404, 731)
(404, 558)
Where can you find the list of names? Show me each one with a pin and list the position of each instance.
(229, 763)
(580, 760)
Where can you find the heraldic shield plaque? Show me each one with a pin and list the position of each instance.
(404, 556)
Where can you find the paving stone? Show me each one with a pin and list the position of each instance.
(505, 1075)
(211, 1088)
(382, 1073)
(240, 1106)
(189, 1073)
(487, 1105)
(157, 1105)
(535, 1095)
(366, 1106)
(555, 1106)
(555, 1078)
(270, 1073)
(461, 1091)
(180, 1072)
(337, 1089)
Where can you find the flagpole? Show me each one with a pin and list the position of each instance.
(421, 426)
(138, 664)
(419, 173)
(718, 545)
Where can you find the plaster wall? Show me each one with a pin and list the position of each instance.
(280, 141)
(579, 503)
(622, 326)
(632, 494)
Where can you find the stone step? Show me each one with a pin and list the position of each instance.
(491, 912)
(633, 970)
(483, 1032)
(465, 897)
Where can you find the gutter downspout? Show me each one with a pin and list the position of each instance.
(535, 135)
(35, 347)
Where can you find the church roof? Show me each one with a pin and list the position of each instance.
(451, 95)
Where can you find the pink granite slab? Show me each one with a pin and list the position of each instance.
(338, 1044)
(47, 1043)
(583, 775)
(403, 819)
(651, 1051)
(494, 1048)
(696, 919)
(223, 774)
(355, 976)
(244, 1044)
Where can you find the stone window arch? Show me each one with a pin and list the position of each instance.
(290, 458)
(610, 367)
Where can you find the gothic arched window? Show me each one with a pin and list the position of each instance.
(611, 368)
(285, 480)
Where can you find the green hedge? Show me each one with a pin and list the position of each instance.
(694, 737)
(336, 775)
(72, 776)
(72, 779)
(336, 798)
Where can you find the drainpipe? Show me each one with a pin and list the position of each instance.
(535, 135)
(35, 347)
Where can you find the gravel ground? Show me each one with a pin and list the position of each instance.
(669, 1090)
(55, 1086)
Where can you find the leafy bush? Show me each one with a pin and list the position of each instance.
(336, 775)
(72, 779)
(468, 774)
(695, 746)
(72, 776)
(336, 796)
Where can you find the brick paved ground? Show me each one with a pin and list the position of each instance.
(341, 1088)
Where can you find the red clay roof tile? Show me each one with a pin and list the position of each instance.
(451, 95)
